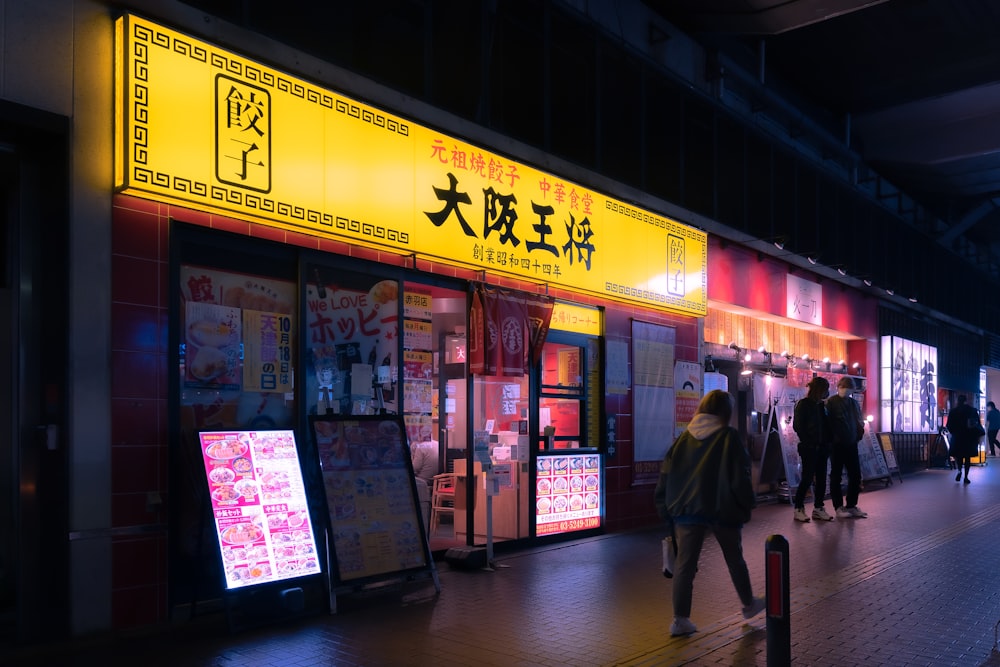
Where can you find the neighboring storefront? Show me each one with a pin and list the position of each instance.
(924, 365)
(771, 327)
(314, 255)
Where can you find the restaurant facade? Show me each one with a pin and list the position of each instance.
(243, 243)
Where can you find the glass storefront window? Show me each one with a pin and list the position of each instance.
(352, 340)
(500, 409)
(237, 350)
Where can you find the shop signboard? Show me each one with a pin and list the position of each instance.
(576, 319)
(568, 493)
(207, 128)
(259, 506)
(374, 519)
(871, 456)
(789, 444)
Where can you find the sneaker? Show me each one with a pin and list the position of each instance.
(754, 608)
(800, 515)
(682, 627)
(820, 514)
(843, 513)
(857, 513)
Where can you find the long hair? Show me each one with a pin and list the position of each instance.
(717, 402)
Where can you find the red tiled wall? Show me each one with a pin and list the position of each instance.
(138, 411)
(630, 504)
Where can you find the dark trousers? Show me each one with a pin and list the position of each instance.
(991, 437)
(690, 538)
(845, 457)
(814, 460)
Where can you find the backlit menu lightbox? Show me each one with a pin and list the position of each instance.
(259, 506)
(568, 489)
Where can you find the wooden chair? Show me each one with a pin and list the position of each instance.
(442, 499)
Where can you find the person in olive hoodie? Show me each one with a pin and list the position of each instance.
(705, 487)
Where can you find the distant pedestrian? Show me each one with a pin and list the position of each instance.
(966, 430)
(810, 424)
(846, 428)
(992, 426)
(705, 487)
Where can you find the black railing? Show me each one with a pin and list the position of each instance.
(912, 450)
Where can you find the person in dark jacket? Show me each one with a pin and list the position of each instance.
(705, 487)
(966, 430)
(847, 427)
(810, 424)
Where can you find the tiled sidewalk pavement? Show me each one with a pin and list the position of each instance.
(917, 583)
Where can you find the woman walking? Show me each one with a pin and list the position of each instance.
(704, 488)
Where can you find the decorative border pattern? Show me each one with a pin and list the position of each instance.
(146, 38)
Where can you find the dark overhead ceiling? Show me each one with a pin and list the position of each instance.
(917, 82)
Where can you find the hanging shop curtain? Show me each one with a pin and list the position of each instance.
(508, 330)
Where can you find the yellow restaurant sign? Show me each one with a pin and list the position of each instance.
(578, 319)
(203, 127)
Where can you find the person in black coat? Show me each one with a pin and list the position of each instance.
(966, 430)
(847, 427)
(810, 424)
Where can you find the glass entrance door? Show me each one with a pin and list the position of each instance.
(562, 403)
(568, 472)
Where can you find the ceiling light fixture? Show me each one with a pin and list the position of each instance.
(867, 282)
(813, 259)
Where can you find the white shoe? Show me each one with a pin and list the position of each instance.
(820, 514)
(843, 513)
(857, 513)
(682, 627)
(800, 515)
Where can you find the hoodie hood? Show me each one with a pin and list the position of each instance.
(704, 425)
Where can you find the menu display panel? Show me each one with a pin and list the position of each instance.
(568, 493)
(371, 495)
(259, 506)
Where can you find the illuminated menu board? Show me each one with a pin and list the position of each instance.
(568, 489)
(371, 496)
(259, 506)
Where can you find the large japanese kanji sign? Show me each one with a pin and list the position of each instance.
(203, 127)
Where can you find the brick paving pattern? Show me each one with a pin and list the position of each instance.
(917, 583)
